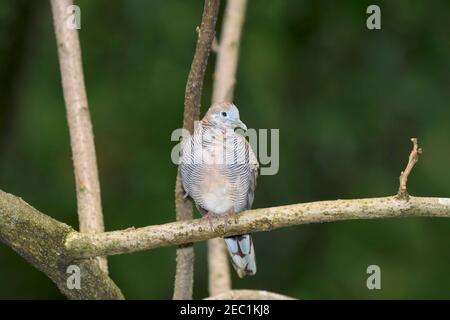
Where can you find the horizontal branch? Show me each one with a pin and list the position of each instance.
(249, 295)
(51, 246)
(176, 233)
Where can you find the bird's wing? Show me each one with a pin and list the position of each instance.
(243, 172)
(253, 167)
(186, 161)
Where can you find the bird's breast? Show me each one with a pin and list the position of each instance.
(216, 191)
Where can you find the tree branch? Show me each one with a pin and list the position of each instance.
(194, 85)
(51, 246)
(218, 268)
(228, 51)
(81, 136)
(40, 240)
(223, 90)
(184, 276)
(413, 158)
(249, 295)
(81, 245)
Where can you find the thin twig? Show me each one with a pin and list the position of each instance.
(223, 90)
(413, 158)
(81, 136)
(194, 85)
(184, 276)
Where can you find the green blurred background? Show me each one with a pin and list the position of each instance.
(346, 101)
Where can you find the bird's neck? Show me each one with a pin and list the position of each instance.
(217, 128)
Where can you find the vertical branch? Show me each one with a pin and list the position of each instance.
(81, 136)
(228, 51)
(218, 268)
(413, 158)
(223, 90)
(184, 277)
(184, 274)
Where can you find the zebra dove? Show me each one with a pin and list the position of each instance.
(218, 171)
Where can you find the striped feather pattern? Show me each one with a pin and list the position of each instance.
(219, 163)
(218, 171)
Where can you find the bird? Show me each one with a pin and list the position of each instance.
(218, 171)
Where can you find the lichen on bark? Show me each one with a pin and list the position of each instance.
(40, 240)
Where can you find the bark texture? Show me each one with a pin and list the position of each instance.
(90, 214)
(184, 274)
(117, 242)
(40, 240)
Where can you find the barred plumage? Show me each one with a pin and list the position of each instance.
(218, 171)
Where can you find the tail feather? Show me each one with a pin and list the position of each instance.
(242, 254)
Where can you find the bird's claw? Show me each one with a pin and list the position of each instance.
(226, 216)
(210, 216)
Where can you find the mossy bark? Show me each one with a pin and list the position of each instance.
(40, 240)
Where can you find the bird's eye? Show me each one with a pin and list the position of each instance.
(224, 114)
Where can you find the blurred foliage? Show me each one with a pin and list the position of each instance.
(346, 101)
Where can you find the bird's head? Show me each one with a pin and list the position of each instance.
(225, 115)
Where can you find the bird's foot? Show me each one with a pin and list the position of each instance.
(210, 216)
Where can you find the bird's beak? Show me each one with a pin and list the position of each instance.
(240, 124)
